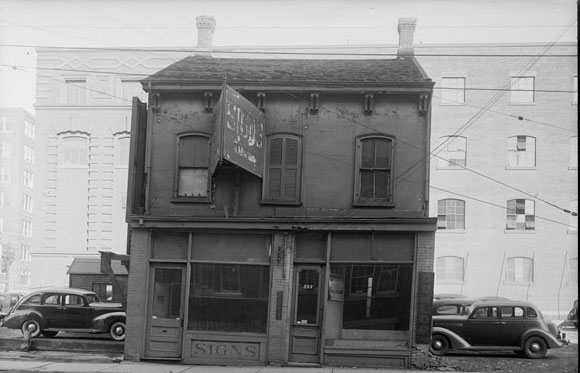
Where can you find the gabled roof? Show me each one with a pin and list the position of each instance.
(374, 73)
(92, 266)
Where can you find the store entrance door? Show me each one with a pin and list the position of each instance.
(165, 311)
(307, 314)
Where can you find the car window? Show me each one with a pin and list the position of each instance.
(485, 312)
(531, 313)
(35, 299)
(92, 298)
(449, 309)
(507, 312)
(73, 300)
(52, 299)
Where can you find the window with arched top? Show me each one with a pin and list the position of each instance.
(122, 148)
(519, 270)
(373, 174)
(192, 179)
(73, 149)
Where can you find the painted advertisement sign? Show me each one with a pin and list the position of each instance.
(238, 133)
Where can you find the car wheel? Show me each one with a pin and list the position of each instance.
(32, 326)
(117, 331)
(439, 345)
(49, 334)
(535, 348)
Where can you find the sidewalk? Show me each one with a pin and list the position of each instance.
(48, 361)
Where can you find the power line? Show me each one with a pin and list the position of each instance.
(280, 51)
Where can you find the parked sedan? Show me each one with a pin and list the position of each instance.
(500, 325)
(50, 311)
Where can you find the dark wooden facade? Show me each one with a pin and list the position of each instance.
(291, 231)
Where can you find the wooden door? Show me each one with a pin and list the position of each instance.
(307, 314)
(165, 313)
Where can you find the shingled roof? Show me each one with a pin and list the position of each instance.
(379, 73)
(92, 266)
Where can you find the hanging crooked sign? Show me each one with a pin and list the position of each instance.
(238, 133)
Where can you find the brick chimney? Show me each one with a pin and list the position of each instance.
(406, 31)
(205, 29)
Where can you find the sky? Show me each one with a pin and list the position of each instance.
(171, 24)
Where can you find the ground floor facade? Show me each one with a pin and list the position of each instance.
(252, 296)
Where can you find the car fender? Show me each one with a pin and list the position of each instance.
(552, 341)
(102, 322)
(15, 319)
(457, 342)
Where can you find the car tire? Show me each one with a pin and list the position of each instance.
(535, 347)
(439, 345)
(117, 331)
(33, 326)
(49, 334)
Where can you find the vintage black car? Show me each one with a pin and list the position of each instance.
(50, 311)
(500, 325)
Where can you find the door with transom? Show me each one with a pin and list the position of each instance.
(165, 311)
(307, 313)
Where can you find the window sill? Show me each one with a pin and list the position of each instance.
(452, 231)
(572, 231)
(522, 104)
(573, 168)
(191, 200)
(72, 166)
(281, 203)
(516, 168)
(519, 231)
(373, 204)
(452, 104)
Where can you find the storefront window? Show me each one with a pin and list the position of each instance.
(377, 296)
(228, 297)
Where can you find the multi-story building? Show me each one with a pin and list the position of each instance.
(266, 223)
(17, 197)
(83, 109)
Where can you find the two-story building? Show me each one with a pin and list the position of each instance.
(266, 224)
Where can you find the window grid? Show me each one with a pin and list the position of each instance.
(25, 253)
(28, 178)
(451, 214)
(5, 150)
(520, 270)
(520, 215)
(27, 203)
(74, 152)
(28, 154)
(193, 167)
(26, 228)
(373, 173)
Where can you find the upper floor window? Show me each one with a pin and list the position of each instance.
(521, 151)
(373, 181)
(451, 214)
(284, 160)
(28, 178)
(193, 166)
(26, 228)
(450, 268)
(453, 90)
(522, 89)
(122, 145)
(25, 253)
(76, 91)
(520, 215)
(28, 154)
(520, 270)
(29, 129)
(5, 175)
(27, 203)
(5, 150)
(74, 151)
(454, 152)
(574, 153)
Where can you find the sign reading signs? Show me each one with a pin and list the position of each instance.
(238, 133)
(424, 307)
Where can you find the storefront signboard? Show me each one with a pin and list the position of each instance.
(424, 307)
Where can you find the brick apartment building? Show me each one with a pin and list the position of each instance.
(265, 222)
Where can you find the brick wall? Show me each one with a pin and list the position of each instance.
(281, 281)
(137, 294)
